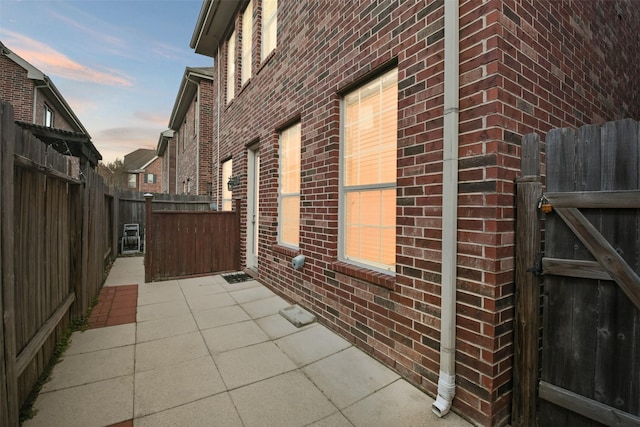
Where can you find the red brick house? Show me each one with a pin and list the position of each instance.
(144, 171)
(42, 110)
(186, 148)
(166, 151)
(381, 140)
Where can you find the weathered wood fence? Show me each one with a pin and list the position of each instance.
(131, 206)
(57, 234)
(590, 367)
(183, 243)
(54, 246)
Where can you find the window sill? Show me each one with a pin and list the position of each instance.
(244, 86)
(377, 278)
(266, 60)
(285, 250)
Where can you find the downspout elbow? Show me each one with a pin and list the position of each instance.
(446, 392)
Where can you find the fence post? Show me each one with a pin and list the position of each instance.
(9, 406)
(527, 285)
(148, 239)
(115, 218)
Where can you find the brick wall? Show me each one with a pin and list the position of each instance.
(524, 66)
(193, 158)
(207, 115)
(155, 168)
(16, 89)
(186, 154)
(168, 160)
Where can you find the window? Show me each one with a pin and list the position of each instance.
(48, 116)
(368, 173)
(150, 178)
(247, 30)
(231, 67)
(269, 26)
(289, 193)
(132, 180)
(227, 195)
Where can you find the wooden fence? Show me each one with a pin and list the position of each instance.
(54, 244)
(131, 206)
(57, 234)
(182, 243)
(590, 367)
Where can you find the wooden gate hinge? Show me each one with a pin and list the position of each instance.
(537, 265)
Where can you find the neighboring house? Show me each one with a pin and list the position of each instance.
(186, 148)
(381, 140)
(144, 171)
(40, 108)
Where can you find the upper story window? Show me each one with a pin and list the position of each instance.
(369, 127)
(269, 27)
(247, 34)
(48, 116)
(131, 183)
(227, 195)
(289, 192)
(150, 178)
(231, 67)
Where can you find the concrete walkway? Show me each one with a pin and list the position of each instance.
(204, 352)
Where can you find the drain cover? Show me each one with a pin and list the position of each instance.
(237, 277)
(297, 315)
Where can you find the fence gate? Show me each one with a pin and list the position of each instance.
(590, 367)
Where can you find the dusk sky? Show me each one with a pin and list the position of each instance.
(117, 63)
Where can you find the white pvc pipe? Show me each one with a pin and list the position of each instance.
(217, 160)
(447, 380)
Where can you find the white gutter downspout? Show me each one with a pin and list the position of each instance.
(197, 114)
(218, 184)
(447, 379)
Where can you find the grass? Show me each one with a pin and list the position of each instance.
(26, 411)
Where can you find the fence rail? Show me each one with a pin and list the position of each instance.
(590, 365)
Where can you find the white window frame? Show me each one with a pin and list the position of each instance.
(269, 23)
(285, 136)
(227, 195)
(247, 43)
(48, 116)
(344, 190)
(231, 67)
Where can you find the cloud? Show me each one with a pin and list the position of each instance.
(160, 120)
(118, 141)
(127, 133)
(166, 51)
(114, 44)
(52, 62)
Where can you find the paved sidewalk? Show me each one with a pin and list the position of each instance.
(204, 352)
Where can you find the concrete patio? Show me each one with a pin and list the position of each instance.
(204, 352)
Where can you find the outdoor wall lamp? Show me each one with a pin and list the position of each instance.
(233, 182)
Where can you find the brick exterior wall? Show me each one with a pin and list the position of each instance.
(524, 66)
(168, 162)
(155, 168)
(17, 89)
(194, 162)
